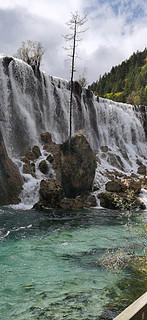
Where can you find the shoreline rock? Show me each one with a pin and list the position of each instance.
(120, 188)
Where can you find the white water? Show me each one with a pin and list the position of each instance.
(143, 196)
(29, 195)
(30, 105)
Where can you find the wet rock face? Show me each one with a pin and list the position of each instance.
(46, 137)
(31, 154)
(144, 118)
(10, 178)
(78, 164)
(36, 151)
(43, 166)
(29, 157)
(142, 170)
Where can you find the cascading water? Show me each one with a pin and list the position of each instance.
(29, 195)
(31, 104)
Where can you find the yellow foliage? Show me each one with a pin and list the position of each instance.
(144, 67)
(117, 94)
(137, 100)
(108, 95)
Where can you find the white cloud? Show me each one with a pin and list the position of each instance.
(117, 28)
(55, 10)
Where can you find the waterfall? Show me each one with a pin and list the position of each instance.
(33, 103)
(30, 105)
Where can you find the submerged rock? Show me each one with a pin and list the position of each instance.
(74, 204)
(10, 178)
(83, 201)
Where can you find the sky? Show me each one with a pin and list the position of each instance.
(115, 29)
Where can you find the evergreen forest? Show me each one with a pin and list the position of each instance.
(126, 82)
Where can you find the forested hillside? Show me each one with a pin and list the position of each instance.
(126, 82)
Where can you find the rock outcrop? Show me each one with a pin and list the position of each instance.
(74, 163)
(83, 201)
(28, 157)
(51, 193)
(107, 200)
(78, 165)
(10, 178)
(120, 188)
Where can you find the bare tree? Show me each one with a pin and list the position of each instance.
(74, 24)
(31, 52)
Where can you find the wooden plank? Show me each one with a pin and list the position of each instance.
(136, 311)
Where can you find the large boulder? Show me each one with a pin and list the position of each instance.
(116, 185)
(51, 192)
(132, 184)
(142, 170)
(107, 200)
(74, 163)
(120, 190)
(78, 164)
(43, 167)
(10, 178)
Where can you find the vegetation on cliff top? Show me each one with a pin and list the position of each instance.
(126, 82)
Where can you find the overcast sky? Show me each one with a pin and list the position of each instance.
(116, 29)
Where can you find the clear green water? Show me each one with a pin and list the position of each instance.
(49, 263)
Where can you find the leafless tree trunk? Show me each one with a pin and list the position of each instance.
(74, 24)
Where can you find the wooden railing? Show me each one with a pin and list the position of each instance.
(136, 311)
